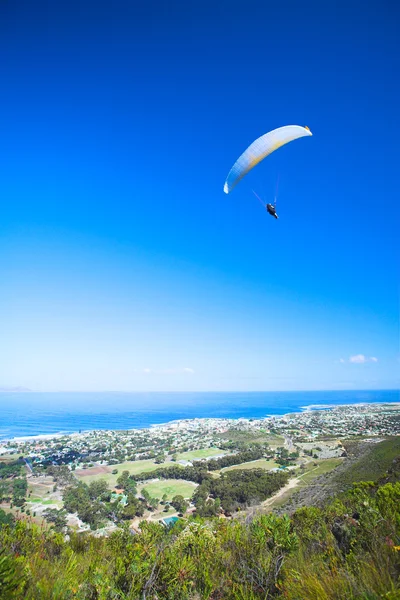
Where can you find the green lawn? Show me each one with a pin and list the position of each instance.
(263, 463)
(134, 467)
(170, 487)
(198, 454)
(41, 501)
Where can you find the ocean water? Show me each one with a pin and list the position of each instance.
(34, 413)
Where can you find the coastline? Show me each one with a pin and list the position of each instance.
(177, 422)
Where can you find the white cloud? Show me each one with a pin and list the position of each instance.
(147, 371)
(341, 360)
(360, 359)
(188, 370)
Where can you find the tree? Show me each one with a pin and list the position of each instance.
(5, 518)
(126, 482)
(58, 518)
(146, 495)
(61, 474)
(154, 502)
(123, 479)
(20, 487)
(98, 490)
(179, 503)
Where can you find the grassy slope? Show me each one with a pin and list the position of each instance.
(372, 464)
(366, 462)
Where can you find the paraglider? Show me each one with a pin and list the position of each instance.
(260, 149)
(272, 210)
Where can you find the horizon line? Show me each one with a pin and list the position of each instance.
(72, 391)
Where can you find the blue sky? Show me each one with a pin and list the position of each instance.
(124, 266)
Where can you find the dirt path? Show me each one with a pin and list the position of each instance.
(292, 483)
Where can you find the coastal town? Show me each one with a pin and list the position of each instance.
(163, 441)
(170, 470)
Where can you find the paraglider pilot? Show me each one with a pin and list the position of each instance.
(272, 211)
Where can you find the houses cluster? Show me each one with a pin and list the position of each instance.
(164, 442)
(342, 421)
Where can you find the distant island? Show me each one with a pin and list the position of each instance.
(14, 389)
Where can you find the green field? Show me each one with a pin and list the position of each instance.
(263, 463)
(246, 437)
(170, 487)
(198, 454)
(134, 467)
(39, 501)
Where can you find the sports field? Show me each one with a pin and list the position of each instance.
(170, 487)
(199, 454)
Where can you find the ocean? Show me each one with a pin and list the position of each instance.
(33, 413)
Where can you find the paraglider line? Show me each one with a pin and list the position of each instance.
(276, 189)
(258, 198)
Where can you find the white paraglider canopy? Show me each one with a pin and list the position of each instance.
(260, 149)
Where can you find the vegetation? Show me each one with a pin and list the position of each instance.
(236, 459)
(370, 466)
(236, 489)
(348, 550)
(199, 471)
(11, 469)
(179, 503)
